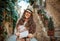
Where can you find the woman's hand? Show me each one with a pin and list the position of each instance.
(30, 35)
(17, 34)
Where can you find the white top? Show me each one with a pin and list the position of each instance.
(22, 27)
(23, 33)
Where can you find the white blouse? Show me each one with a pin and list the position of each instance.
(22, 31)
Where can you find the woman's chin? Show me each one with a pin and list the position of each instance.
(26, 17)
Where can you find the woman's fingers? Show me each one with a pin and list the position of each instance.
(30, 35)
(17, 34)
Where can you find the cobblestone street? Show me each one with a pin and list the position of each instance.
(37, 20)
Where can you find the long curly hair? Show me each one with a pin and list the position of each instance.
(30, 25)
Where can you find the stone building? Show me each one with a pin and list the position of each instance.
(53, 9)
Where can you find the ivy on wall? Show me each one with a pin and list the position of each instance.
(47, 22)
(11, 14)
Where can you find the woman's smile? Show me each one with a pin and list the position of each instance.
(27, 15)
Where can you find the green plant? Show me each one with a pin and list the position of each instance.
(51, 25)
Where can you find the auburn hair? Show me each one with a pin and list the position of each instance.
(30, 25)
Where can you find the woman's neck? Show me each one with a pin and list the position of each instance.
(26, 20)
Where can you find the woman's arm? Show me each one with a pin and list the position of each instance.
(16, 32)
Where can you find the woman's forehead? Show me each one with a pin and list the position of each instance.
(28, 12)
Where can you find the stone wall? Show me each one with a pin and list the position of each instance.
(53, 9)
(40, 34)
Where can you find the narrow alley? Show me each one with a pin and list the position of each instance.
(29, 20)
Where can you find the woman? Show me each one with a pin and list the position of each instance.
(28, 23)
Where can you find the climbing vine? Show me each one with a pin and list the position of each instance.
(7, 14)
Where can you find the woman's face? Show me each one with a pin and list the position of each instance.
(27, 15)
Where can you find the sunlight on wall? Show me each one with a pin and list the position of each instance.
(23, 5)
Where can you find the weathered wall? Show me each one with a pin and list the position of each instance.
(41, 35)
(53, 8)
